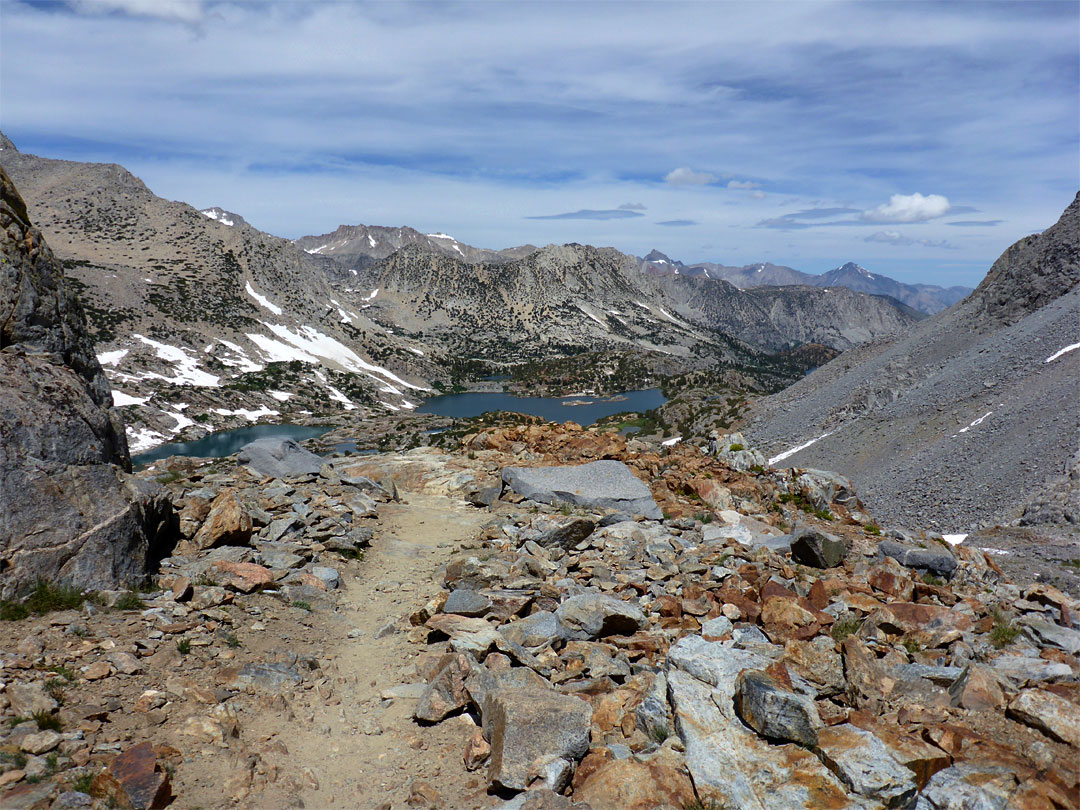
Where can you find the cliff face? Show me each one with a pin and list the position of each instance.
(69, 511)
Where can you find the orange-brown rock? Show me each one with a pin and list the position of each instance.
(134, 781)
(627, 784)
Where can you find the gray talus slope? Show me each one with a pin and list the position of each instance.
(963, 420)
(68, 509)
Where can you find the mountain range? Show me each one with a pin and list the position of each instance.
(957, 423)
(242, 325)
(925, 298)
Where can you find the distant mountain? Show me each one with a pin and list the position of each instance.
(963, 420)
(926, 298)
(356, 246)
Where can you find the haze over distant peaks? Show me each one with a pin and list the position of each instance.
(927, 298)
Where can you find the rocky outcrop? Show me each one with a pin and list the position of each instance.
(69, 511)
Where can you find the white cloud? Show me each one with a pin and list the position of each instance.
(758, 195)
(189, 11)
(909, 208)
(747, 184)
(688, 177)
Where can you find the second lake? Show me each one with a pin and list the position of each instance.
(583, 409)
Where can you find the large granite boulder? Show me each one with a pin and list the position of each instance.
(601, 484)
(279, 458)
(69, 510)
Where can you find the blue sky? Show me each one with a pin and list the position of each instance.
(917, 138)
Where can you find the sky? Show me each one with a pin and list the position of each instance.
(918, 139)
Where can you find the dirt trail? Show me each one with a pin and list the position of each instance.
(356, 749)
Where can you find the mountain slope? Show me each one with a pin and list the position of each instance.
(960, 422)
(357, 246)
(207, 304)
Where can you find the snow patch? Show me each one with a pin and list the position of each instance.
(371, 240)
(1070, 348)
(187, 371)
(264, 302)
(954, 539)
(672, 441)
(251, 416)
(319, 249)
(218, 216)
(244, 363)
(594, 317)
(281, 396)
(978, 421)
(120, 399)
(139, 440)
(794, 450)
(415, 351)
(181, 420)
(112, 358)
(310, 341)
(372, 295)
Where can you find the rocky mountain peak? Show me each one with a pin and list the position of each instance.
(1034, 271)
(5, 144)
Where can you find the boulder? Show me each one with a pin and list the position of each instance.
(599, 485)
(446, 693)
(69, 510)
(467, 602)
(938, 561)
(227, 524)
(525, 726)
(593, 615)
(865, 765)
(775, 712)
(279, 458)
(631, 784)
(819, 549)
(1054, 716)
(134, 780)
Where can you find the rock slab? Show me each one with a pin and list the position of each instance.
(599, 485)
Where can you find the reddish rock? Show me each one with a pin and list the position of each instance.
(896, 584)
(134, 781)
(244, 577)
(627, 784)
(227, 524)
(977, 689)
(785, 619)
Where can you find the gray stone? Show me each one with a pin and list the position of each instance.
(600, 484)
(465, 602)
(940, 561)
(328, 576)
(72, 800)
(592, 615)
(568, 534)
(535, 630)
(525, 726)
(864, 763)
(652, 715)
(270, 677)
(775, 712)
(279, 458)
(281, 527)
(969, 786)
(1046, 633)
(717, 628)
(819, 549)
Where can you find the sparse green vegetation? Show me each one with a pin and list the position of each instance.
(183, 646)
(1004, 631)
(18, 759)
(930, 579)
(231, 640)
(735, 448)
(63, 672)
(301, 604)
(130, 601)
(45, 598)
(873, 528)
(844, 627)
(47, 721)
